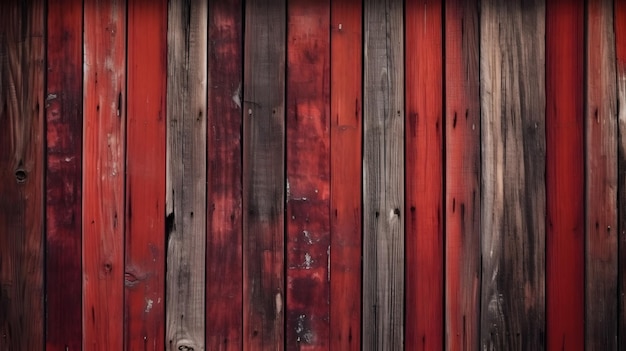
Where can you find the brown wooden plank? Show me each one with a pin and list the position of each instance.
(513, 168)
(224, 329)
(186, 174)
(64, 138)
(383, 176)
(264, 174)
(620, 52)
(346, 174)
(565, 175)
(424, 174)
(145, 176)
(22, 54)
(462, 111)
(103, 173)
(601, 174)
(308, 175)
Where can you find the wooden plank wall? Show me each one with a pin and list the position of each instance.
(312, 175)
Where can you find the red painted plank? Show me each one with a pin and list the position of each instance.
(64, 130)
(144, 311)
(308, 174)
(424, 178)
(224, 239)
(564, 176)
(620, 52)
(345, 174)
(462, 175)
(22, 68)
(103, 174)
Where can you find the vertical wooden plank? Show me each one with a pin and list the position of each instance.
(22, 52)
(462, 174)
(620, 52)
(145, 176)
(264, 174)
(64, 131)
(224, 329)
(308, 174)
(383, 178)
(104, 97)
(424, 175)
(601, 173)
(564, 175)
(513, 168)
(345, 174)
(185, 222)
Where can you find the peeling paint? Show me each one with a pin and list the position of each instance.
(279, 304)
(149, 303)
(237, 96)
(308, 261)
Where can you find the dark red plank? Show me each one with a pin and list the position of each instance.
(346, 174)
(424, 175)
(308, 174)
(564, 176)
(462, 175)
(224, 238)
(64, 130)
(103, 174)
(22, 65)
(144, 311)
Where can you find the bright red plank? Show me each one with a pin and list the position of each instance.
(424, 178)
(64, 137)
(145, 176)
(463, 260)
(308, 174)
(345, 174)
(103, 174)
(565, 176)
(224, 238)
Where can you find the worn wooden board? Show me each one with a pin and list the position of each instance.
(383, 176)
(601, 175)
(345, 174)
(185, 203)
(264, 174)
(620, 52)
(565, 175)
(64, 138)
(308, 175)
(22, 53)
(104, 97)
(424, 175)
(224, 286)
(513, 167)
(462, 174)
(144, 282)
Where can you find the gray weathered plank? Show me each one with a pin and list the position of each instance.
(186, 174)
(383, 176)
(263, 174)
(513, 168)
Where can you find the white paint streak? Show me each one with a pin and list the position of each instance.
(149, 303)
(236, 97)
(279, 304)
(308, 261)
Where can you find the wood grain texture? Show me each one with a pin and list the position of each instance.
(424, 175)
(462, 174)
(620, 52)
(308, 175)
(144, 311)
(383, 176)
(224, 286)
(22, 53)
(104, 96)
(64, 138)
(601, 174)
(264, 174)
(565, 175)
(185, 222)
(345, 174)
(513, 168)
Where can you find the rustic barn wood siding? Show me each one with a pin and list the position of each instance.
(312, 175)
